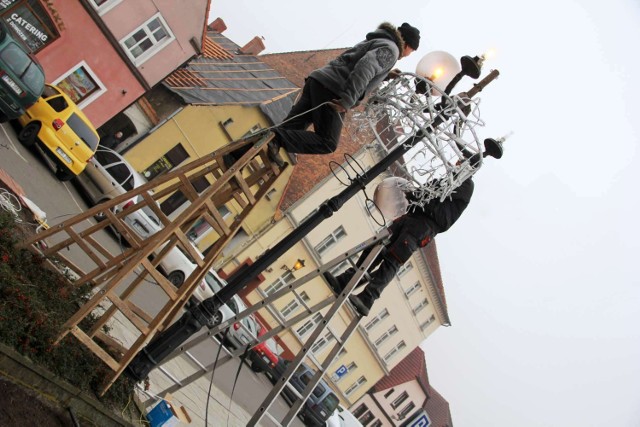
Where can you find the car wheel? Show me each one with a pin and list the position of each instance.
(64, 174)
(176, 278)
(255, 368)
(28, 134)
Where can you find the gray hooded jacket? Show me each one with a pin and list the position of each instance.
(362, 68)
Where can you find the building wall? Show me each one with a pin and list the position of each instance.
(186, 20)
(416, 396)
(358, 226)
(198, 129)
(82, 42)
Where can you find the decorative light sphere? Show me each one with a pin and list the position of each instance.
(389, 197)
(438, 66)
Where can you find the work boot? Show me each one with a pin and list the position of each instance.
(273, 153)
(333, 282)
(362, 303)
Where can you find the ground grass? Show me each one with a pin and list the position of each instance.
(34, 304)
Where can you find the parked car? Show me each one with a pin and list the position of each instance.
(21, 76)
(341, 417)
(265, 355)
(56, 126)
(322, 401)
(243, 331)
(109, 175)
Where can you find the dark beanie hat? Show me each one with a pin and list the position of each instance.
(411, 35)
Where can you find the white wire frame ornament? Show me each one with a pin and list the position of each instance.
(450, 151)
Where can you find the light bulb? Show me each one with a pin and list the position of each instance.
(440, 67)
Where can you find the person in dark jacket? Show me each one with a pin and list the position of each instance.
(411, 231)
(329, 92)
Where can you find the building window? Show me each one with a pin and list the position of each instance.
(404, 269)
(412, 289)
(406, 410)
(388, 393)
(373, 322)
(147, 40)
(281, 281)
(366, 418)
(399, 400)
(376, 423)
(394, 350)
(103, 6)
(322, 342)
(201, 227)
(330, 240)
(360, 410)
(340, 268)
(177, 199)
(388, 334)
(356, 385)
(80, 84)
(309, 324)
(420, 306)
(426, 324)
(293, 305)
(309, 215)
(170, 160)
(29, 22)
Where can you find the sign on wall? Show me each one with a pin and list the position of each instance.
(30, 22)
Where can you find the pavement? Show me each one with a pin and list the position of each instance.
(204, 403)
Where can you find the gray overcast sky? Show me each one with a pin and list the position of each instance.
(541, 272)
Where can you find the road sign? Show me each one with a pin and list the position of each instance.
(341, 371)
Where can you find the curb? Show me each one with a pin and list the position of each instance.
(20, 370)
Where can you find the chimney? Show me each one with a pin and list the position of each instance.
(254, 47)
(218, 25)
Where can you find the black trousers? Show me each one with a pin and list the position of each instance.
(293, 135)
(407, 233)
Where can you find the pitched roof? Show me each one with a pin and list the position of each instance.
(311, 169)
(412, 367)
(438, 409)
(222, 75)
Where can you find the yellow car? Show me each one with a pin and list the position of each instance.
(56, 126)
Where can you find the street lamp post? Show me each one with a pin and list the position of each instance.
(199, 316)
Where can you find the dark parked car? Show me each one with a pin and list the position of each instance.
(322, 401)
(21, 76)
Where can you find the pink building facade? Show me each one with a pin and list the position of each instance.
(105, 54)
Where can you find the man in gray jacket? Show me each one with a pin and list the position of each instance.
(335, 88)
(340, 86)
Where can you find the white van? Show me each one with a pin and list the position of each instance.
(341, 417)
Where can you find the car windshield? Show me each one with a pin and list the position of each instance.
(105, 157)
(213, 282)
(15, 58)
(83, 131)
(150, 213)
(319, 390)
(330, 402)
(34, 78)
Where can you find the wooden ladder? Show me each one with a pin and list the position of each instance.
(74, 247)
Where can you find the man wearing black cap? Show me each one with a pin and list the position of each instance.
(337, 87)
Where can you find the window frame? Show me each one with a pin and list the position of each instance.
(105, 7)
(155, 48)
(330, 241)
